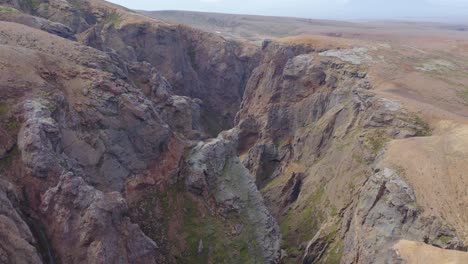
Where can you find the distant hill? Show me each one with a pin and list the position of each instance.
(250, 26)
(256, 28)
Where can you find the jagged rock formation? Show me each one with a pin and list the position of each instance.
(312, 134)
(110, 150)
(215, 168)
(18, 245)
(90, 226)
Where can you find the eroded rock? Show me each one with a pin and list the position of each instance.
(90, 226)
(214, 168)
(18, 243)
(387, 212)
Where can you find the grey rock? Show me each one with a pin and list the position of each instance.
(385, 213)
(213, 167)
(298, 66)
(39, 23)
(18, 243)
(38, 138)
(95, 225)
(77, 148)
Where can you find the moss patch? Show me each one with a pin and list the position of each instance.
(158, 213)
(376, 140)
(219, 244)
(7, 161)
(424, 129)
(333, 254)
(30, 4)
(302, 222)
(113, 18)
(3, 109)
(445, 239)
(12, 126)
(7, 9)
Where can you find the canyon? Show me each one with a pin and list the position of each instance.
(128, 139)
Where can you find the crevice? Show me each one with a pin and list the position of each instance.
(42, 245)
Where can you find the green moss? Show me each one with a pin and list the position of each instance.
(377, 140)
(45, 94)
(283, 178)
(3, 109)
(12, 126)
(30, 4)
(219, 245)
(424, 129)
(334, 250)
(113, 18)
(7, 9)
(301, 223)
(334, 254)
(445, 239)
(7, 161)
(76, 4)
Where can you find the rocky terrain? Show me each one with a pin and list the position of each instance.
(126, 139)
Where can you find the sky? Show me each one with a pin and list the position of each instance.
(323, 9)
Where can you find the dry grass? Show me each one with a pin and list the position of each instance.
(420, 253)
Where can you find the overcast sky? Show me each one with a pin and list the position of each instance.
(334, 9)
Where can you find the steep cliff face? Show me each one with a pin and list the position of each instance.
(313, 136)
(96, 140)
(110, 150)
(197, 64)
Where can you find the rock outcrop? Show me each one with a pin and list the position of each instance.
(112, 150)
(89, 226)
(214, 168)
(18, 244)
(385, 213)
(90, 134)
(312, 132)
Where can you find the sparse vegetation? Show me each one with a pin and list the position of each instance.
(7, 9)
(377, 140)
(12, 126)
(113, 18)
(30, 4)
(463, 94)
(3, 109)
(7, 161)
(302, 222)
(424, 129)
(219, 244)
(445, 239)
(416, 206)
(45, 94)
(333, 254)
